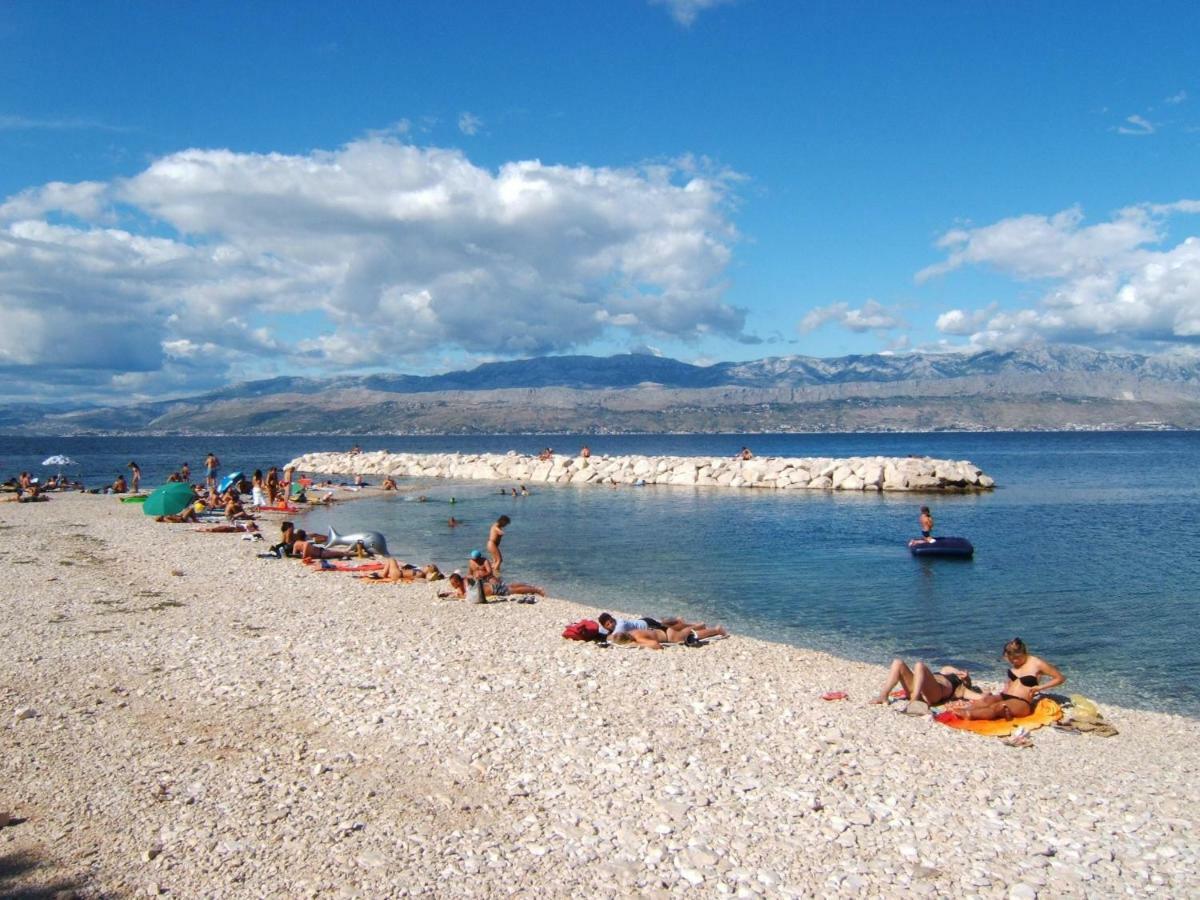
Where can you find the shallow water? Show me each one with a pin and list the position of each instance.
(1086, 550)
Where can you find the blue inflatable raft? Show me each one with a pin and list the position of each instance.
(942, 546)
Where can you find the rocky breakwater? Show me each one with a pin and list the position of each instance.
(856, 473)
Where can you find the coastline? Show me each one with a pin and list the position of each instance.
(253, 727)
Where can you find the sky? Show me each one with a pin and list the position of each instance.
(198, 193)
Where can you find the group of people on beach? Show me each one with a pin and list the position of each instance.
(951, 687)
(650, 633)
(24, 488)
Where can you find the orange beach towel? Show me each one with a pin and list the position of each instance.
(1045, 713)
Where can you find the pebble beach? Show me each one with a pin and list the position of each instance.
(180, 717)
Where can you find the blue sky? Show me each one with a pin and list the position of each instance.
(198, 193)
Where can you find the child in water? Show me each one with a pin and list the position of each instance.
(926, 525)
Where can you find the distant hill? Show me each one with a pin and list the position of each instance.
(1051, 388)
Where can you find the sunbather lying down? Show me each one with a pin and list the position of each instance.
(923, 684)
(394, 571)
(231, 528)
(309, 549)
(652, 634)
(462, 588)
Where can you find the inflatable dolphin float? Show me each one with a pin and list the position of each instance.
(372, 540)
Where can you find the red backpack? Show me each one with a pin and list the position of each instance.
(583, 630)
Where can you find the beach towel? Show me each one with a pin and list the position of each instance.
(1045, 713)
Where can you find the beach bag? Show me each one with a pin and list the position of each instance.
(583, 630)
(1084, 707)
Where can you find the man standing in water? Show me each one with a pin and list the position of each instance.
(212, 465)
(493, 542)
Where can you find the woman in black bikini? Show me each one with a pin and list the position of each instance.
(922, 683)
(1024, 682)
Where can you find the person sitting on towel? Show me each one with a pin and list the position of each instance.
(1019, 696)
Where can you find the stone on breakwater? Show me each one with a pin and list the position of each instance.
(874, 473)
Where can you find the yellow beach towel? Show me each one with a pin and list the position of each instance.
(1045, 713)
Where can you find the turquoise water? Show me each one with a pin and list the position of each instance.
(1087, 549)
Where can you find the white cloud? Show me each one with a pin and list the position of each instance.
(1176, 98)
(84, 199)
(685, 11)
(871, 316)
(1112, 282)
(469, 123)
(395, 250)
(962, 322)
(1136, 125)
(1036, 246)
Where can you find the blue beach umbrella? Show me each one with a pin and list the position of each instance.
(231, 478)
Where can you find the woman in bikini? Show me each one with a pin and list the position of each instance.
(1024, 682)
(922, 683)
(395, 571)
(306, 548)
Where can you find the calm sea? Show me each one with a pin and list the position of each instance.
(1087, 550)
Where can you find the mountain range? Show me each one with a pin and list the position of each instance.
(1046, 388)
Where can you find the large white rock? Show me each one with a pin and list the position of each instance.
(768, 473)
(871, 474)
(850, 483)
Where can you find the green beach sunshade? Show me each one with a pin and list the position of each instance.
(169, 499)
